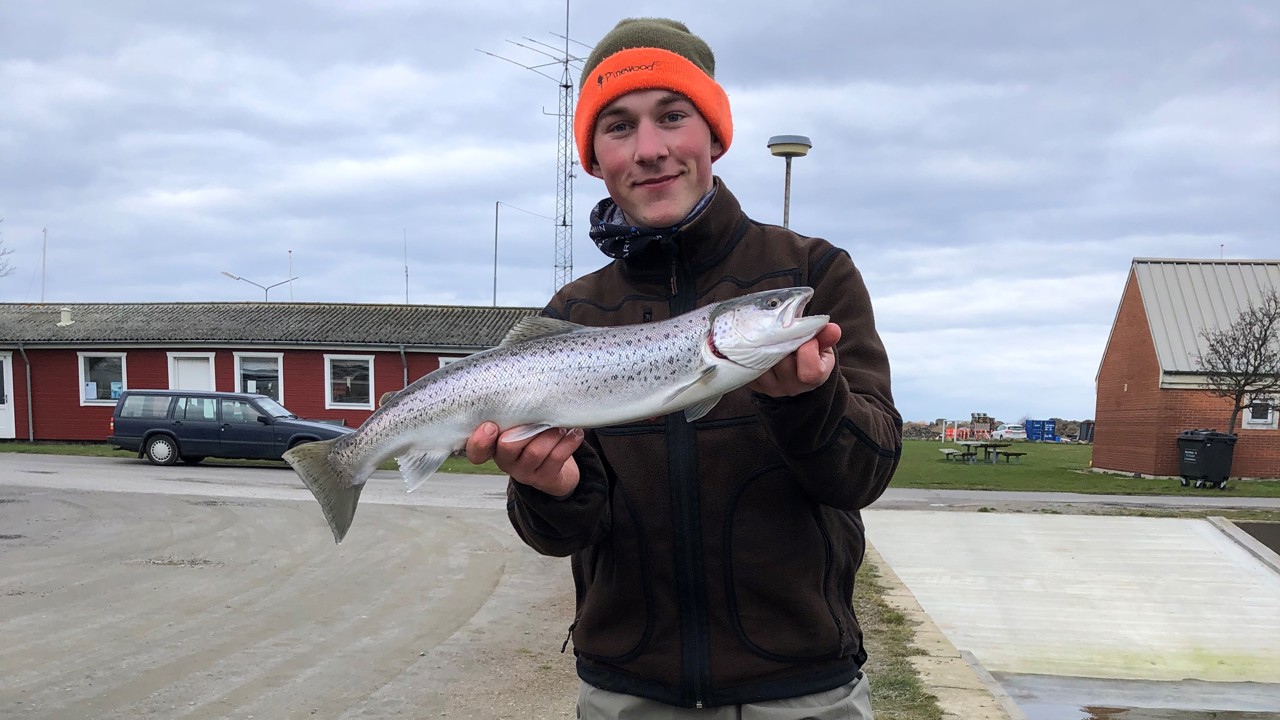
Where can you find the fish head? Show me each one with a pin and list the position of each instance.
(758, 330)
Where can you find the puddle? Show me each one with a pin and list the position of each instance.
(1267, 533)
(1057, 712)
(1044, 697)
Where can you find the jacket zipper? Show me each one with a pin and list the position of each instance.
(682, 466)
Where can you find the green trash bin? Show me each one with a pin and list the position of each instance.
(1205, 457)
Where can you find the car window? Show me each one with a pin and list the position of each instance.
(274, 409)
(145, 406)
(239, 411)
(195, 408)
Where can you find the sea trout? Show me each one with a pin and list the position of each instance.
(550, 373)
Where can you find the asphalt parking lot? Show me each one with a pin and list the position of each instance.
(215, 592)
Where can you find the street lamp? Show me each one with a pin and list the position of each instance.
(788, 146)
(265, 288)
(497, 204)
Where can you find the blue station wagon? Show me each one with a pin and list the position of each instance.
(167, 425)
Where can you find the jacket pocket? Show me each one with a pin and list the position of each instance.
(615, 616)
(781, 574)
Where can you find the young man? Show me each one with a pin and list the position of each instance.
(714, 561)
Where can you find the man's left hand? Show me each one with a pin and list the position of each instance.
(803, 370)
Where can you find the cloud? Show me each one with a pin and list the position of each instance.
(991, 168)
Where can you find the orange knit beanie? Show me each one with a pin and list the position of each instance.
(649, 54)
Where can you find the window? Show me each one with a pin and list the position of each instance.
(239, 411)
(102, 378)
(195, 408)
(260, 373)
(348, 381)
(1261, 415)
(145, 406)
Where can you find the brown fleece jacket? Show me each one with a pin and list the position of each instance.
(714, 561)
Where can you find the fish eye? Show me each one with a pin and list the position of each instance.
(773, 303)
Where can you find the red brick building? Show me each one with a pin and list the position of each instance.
(1148, 387)
(62, 366)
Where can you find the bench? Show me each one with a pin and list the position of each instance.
(958, 455)
(1008, 456)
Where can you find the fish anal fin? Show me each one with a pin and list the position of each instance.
(535, 327)
(416, 467)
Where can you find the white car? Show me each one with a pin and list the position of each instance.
(1009, 432)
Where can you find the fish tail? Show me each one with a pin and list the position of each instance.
(333, 485)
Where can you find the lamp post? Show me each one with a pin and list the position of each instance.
(265, 288)
(497, 204)
(788, 146)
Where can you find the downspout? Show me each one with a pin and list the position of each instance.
(31, 420)
(404, 366)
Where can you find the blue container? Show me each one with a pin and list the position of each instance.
(1042, 430)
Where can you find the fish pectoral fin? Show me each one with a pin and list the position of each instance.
(416, 467)
(534, 327)
(523, 432)
(675, 396)
(693, 412)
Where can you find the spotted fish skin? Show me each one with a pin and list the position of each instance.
(550, 373)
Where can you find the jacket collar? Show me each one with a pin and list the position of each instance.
(699, 244)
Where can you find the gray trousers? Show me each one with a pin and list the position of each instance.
(848, 702)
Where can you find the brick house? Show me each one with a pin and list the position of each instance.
(1148, 388)
(63, 365)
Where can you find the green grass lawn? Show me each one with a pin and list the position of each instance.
(1046, 467)
(452, 465)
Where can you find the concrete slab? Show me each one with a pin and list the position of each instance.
(1089, 596)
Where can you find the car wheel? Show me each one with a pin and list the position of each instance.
(162, 450)
(192, 459)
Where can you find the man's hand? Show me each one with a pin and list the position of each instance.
(544, 461)
(803, 370)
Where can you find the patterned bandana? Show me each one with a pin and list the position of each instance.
(618, 239)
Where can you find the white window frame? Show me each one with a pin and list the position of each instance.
(279, 358)
(329, 403)
(448, 359)
(124, 376)
(173, 368)
(1248, 423)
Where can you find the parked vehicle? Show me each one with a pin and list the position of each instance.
(167, 425)
(1009, 432)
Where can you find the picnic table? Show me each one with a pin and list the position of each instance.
(991, 451)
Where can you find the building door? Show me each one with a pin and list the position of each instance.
(191, 371)
(8, 428)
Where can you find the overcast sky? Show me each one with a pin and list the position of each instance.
(992, 167)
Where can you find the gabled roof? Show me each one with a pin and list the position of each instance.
(260, 323)
(1183, 298)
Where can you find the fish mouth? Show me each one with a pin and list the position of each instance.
(791, 321)
(793, 308)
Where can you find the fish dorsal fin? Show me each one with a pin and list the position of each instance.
(534, 327)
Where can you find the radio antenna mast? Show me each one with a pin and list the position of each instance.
(565, 160)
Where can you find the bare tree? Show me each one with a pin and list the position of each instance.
(5, 268)
(1242, 362)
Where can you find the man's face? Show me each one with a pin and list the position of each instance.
(654, 151)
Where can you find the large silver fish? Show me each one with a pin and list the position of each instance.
(551, 373)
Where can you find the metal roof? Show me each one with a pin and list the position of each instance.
(1183, 298)
(259, 323)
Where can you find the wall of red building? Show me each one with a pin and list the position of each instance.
(1138, 423)
(55, 386)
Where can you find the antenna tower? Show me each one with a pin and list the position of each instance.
(565, 160)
